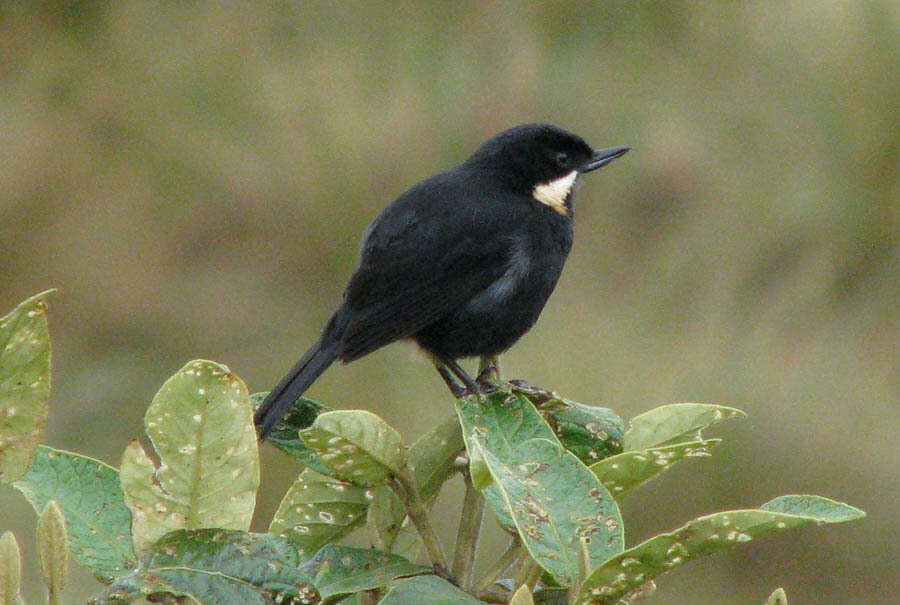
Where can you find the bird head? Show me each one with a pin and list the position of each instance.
(543, 161)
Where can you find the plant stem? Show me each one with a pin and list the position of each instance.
(467, 536)
(494, 594)
(505, 560)
(528, 572)
(405, 488)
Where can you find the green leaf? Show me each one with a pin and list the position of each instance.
(432, 455)
(384, 518)
(778, 597)
(673, 423)
(10, 570)
(356, 445)
(626, 573)
(522, 596)
(201, 425)
(623, 472)
(318, 509)
(818, 508)
(431, 462)
(88, 491)
(342, 570)
(557, 503)
(286, 434)
(427, 590)
(590, 432)
(503, 421)
(53, 546)
(217, 566)
(24, 385)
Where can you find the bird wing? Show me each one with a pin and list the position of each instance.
(430, 252)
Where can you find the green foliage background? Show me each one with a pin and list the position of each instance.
(194, 179)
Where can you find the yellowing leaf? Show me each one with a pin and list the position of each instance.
(356, 445)
(24, 385)
(201, 426)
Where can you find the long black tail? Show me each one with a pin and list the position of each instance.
(292, 386)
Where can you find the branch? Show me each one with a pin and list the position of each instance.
(405, 488)
(467, 536)
(505, 560)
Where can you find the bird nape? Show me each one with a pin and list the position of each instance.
(462, 263)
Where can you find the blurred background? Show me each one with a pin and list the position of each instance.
(194, 179)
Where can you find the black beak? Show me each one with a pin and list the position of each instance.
(602, 157)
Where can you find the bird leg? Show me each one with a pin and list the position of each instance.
(457, 389)
(448, 369)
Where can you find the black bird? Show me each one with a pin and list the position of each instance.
(462, 263)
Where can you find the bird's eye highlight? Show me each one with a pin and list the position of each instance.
(562, 159)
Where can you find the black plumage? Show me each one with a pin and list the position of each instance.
(462, 262)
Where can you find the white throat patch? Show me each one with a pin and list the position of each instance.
(555, 192)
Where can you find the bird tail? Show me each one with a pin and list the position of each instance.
(304, 373)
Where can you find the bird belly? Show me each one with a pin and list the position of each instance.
(497, 317)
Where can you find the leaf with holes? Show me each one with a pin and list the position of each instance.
(356, 445)
(24, 385)
(343, 570)
(503, 421)
(629, 571)
(558, 505)
(88, 492)
(588, 431)
(201, 426)
(217, 566)
(674, 423)
(623, 472)
(319, 509)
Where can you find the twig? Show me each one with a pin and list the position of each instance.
(528, 572)
(494, 594)
(467, 536)
(405, 488)
(505, 560)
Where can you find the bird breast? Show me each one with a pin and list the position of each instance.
(515, 276)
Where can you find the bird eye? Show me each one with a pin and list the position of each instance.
(562, 158)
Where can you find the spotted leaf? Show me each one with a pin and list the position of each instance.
(201, 427)
(356, 446)
(216, 566)
(318, 509)
(675, 423)
(24, 385)
(623, 472)
(560, 508)
(626, 573)
(88, 492)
